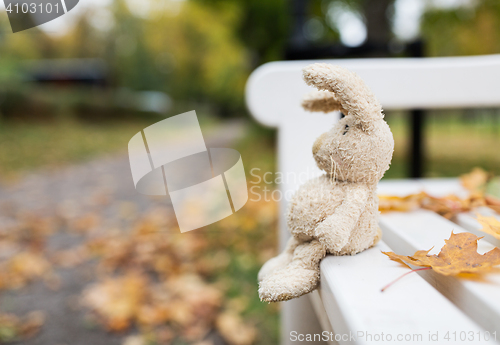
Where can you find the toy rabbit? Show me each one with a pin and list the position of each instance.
(336, 213)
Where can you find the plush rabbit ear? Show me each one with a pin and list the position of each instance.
(350, 90)
(324, 101)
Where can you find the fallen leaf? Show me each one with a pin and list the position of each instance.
(447, 206)
(491, 225)
(117, 300)
(14, 328)
(32, 323)
(476, 180)
(458, 255)
(23, 268)
(134, 340)
(484, 191)
(493, 203)
(204, 342)
(234, 331)
(401, 204)
(398, 258)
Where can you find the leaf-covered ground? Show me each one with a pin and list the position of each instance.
(84, 259)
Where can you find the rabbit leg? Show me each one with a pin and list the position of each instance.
(281, 260)
(299, 277)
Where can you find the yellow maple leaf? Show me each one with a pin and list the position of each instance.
(476, 180)
(491, 225)
(401, 204)
(458, 255)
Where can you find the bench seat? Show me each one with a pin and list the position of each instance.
(422, 304)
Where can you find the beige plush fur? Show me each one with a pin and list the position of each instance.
(336, 213)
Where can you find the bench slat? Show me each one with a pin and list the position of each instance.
(319, 309)
(422, 229)
(352, 297)
(437, 187)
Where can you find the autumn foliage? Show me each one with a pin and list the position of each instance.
(148, 276)
(448, 206)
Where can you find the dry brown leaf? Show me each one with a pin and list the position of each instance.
(134, 340)
(194, 304)
(71, 257)
(117, 300)
(398, 258)
(235, 332)
(491, 225)
(450, 205)
(447, 206)
(204, 342)
(401, 204)
(167, 297)
(85, 223)
(458, 255)
(476, 180)
(32, 323)
(23, 268)
(13, 328)
(493, 203)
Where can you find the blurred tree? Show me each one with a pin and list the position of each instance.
(376, 15)
(472, 29)
(198, 55)
(83, 40)
(201, 50)
(133, 62)
(189, 50)
(32, 44)
(262, 26)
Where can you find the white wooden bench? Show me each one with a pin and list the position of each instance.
(349, 302)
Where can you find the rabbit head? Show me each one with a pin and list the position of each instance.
(359, 147)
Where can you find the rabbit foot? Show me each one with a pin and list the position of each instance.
(299, 277)
(288, 283)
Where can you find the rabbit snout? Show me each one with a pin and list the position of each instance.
(319, 143)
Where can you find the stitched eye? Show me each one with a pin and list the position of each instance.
(346, 129)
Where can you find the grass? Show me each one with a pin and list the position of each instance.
(28, 146)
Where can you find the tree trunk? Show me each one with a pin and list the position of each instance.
(377, 22)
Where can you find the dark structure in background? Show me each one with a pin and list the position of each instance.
(377, 44)
(88, 72)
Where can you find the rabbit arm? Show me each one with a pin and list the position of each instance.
(335, 230)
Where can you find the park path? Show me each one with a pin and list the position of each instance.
(101, 186)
